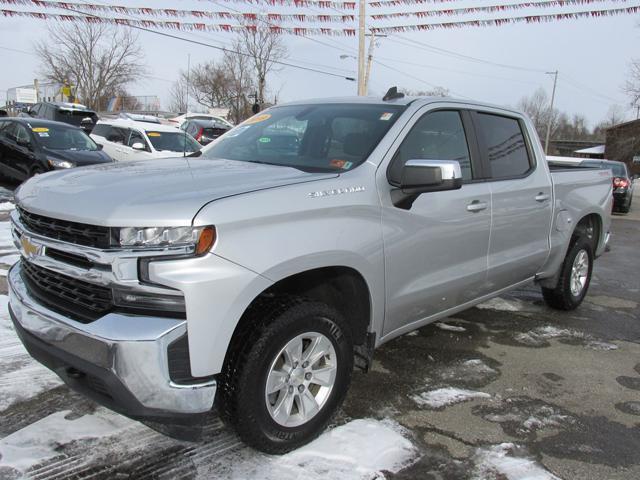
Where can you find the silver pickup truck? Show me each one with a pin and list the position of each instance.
(254, 276)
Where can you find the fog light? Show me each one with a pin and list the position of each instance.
(148, 301)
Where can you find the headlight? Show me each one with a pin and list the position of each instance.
(201, 238)
(55, 163)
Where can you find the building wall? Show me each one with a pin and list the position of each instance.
(623, 143)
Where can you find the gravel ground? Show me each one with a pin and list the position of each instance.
(508, 390)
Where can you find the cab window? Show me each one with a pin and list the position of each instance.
(437, 135)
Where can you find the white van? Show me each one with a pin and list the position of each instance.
(129, 140)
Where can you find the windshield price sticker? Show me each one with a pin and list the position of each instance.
(40, 129)
(264, 139)
(343, 164)
(153, 134)
(386, 116)
(258, 119)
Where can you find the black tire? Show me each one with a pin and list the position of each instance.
(241, 394)
(562, 297)
(625, 209)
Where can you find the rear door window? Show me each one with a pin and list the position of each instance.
(102, 130)
(504, 146)
(118, 135)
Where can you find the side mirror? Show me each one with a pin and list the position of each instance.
(423, 176)
(100, 146)
(138, 146)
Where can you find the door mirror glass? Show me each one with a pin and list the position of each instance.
(138, 146)
(421, 176)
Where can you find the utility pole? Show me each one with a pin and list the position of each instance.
(361, 34)
(553, 98)
(372, 45)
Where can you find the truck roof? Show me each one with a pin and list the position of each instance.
(403, 101)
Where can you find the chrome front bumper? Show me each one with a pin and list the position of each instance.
(127, 354)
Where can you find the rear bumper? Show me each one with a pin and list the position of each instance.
(118, 360)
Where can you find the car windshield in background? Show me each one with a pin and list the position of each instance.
(55, 137)
(172, 142)
(333, 137)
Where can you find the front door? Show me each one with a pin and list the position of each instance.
(435, 251)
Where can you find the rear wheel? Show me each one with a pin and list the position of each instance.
(283, 385)
(575, 277)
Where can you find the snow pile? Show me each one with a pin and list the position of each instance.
(21, 377)
(358, 450)
(450, 328)
(41, 440)
(443, 397)
(6, 206)
(501, 304)
(469, 371)
(499, 463)
(8, 252)
(539, 336)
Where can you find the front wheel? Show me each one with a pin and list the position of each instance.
(575, 277)
(290, 376)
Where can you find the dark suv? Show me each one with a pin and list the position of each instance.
(71, 113)
(622, 182)
(204, 131)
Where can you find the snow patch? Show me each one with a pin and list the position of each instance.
(450, 328)
(21, 377)
(40, 440)
(443, 397)
(499, 463)
(360, 449)
(501, 304)
(540, 335)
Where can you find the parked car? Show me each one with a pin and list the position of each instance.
(205, 131)
(255, 278)
(180, 119)
(622, 182)
(71, 113)
(130, 140)
(32, 146)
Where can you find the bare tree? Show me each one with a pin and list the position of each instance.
(208, 84)
(263, 46)
(632, 87)
(179, 95)
(98, 59)
(241, 83)
(434, 92)
(536, 107)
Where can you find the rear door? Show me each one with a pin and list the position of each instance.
(521, 199)
(435, 251)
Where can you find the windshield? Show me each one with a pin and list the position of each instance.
(308, 137)
(55, 137)
(172, 141)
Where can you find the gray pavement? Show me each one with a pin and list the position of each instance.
(498, 392)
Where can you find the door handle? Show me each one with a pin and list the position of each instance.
(477, 206)
(542, 197)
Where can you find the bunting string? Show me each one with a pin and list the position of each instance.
(498, 22)
(184, 26)
(484, 9)
(305, 31)
(157, 12)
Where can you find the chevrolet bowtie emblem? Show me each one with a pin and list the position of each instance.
(29, 249)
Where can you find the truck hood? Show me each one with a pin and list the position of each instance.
(159, 192)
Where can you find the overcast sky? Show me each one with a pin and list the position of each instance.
(592, 56)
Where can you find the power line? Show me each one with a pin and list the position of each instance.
(443, 51)
(224, 49)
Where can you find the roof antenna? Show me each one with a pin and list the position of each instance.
(392, 94)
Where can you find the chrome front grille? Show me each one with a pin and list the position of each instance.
(66, 231)
(82, 301)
